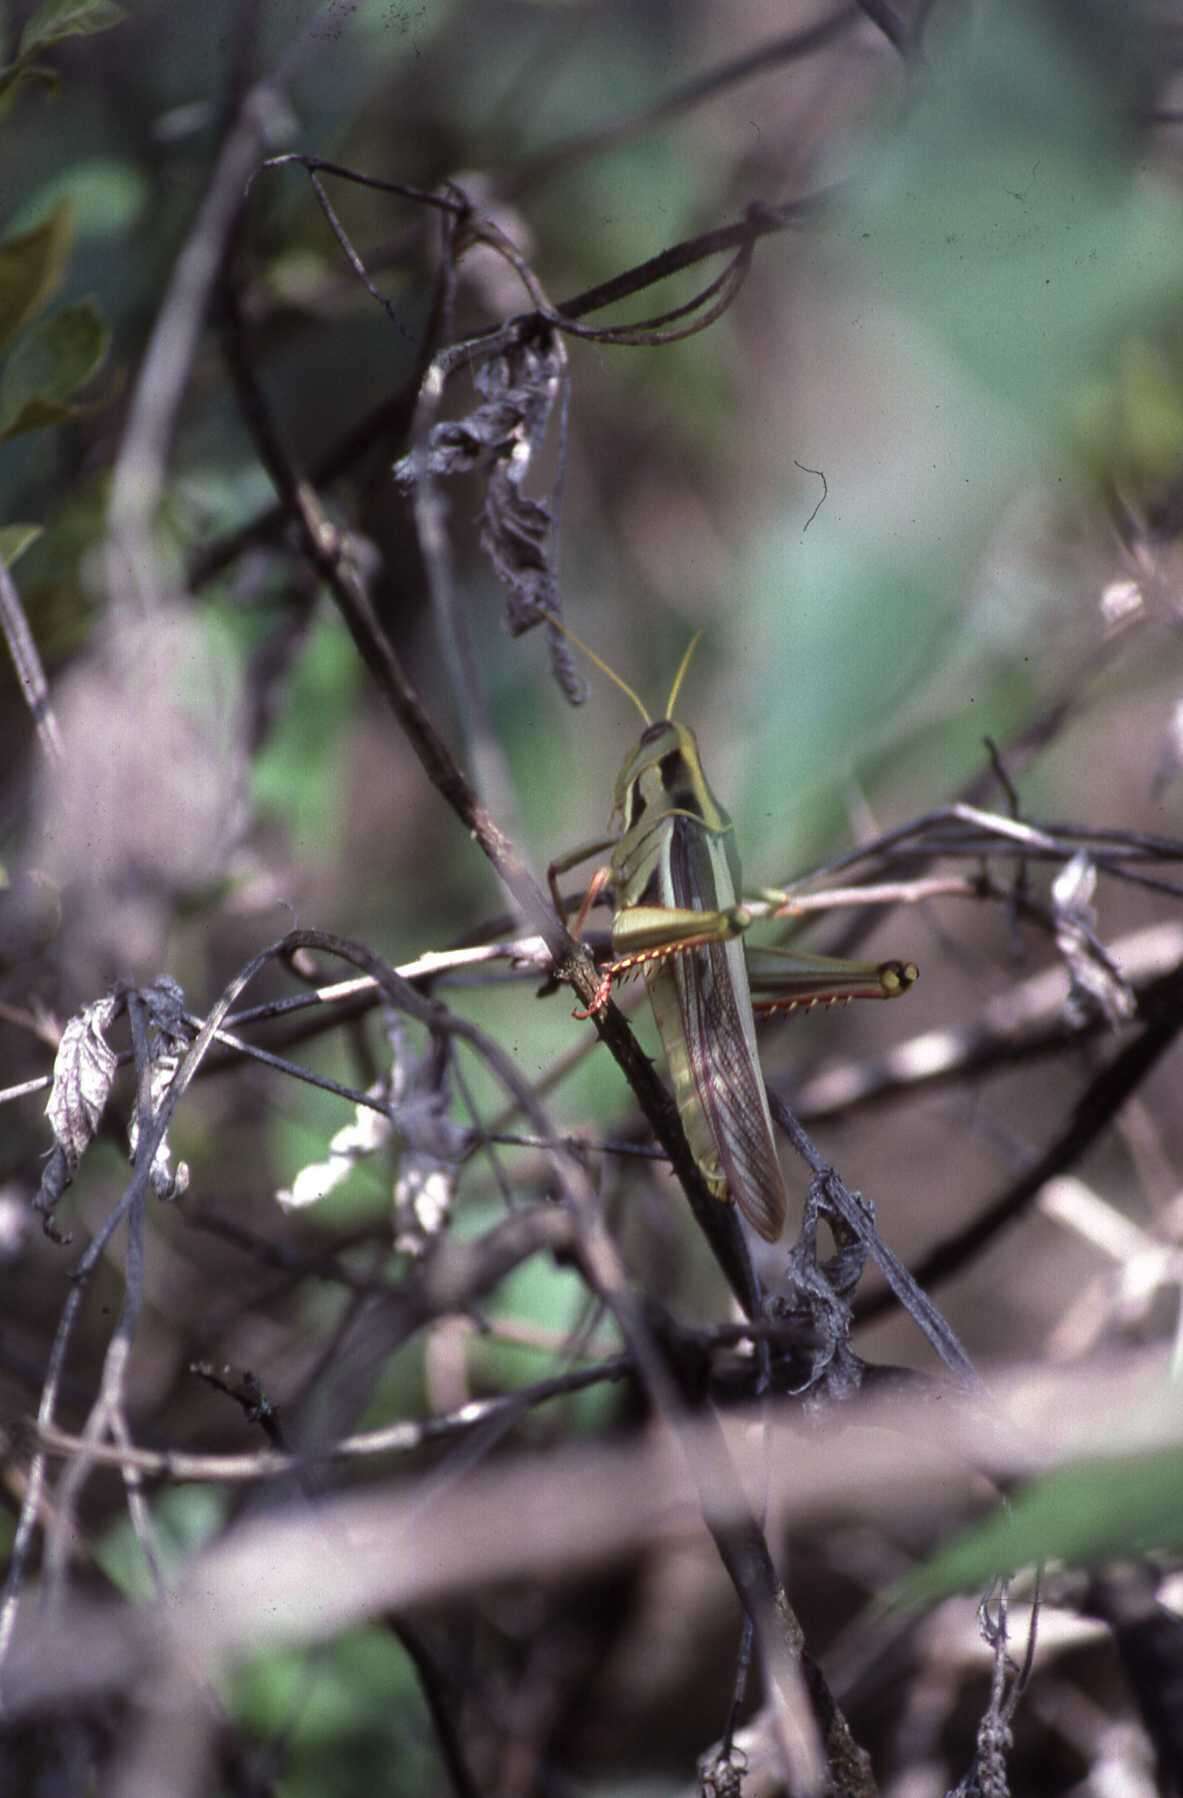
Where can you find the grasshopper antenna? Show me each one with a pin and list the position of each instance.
(681, 674)
(595, 660)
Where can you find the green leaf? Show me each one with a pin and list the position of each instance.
(55, 20)
(15, 539)
(1009, 217)
(1123, 1505)
(300, 772)
(35, 415)
(16, 75)
(31, 268)
(48, 366)
(108, 193)
(185, 1519)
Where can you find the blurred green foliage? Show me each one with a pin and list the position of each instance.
(346, 1717)
(1084, 1514)
(303, 768)
(52, 23)
(184, 1519)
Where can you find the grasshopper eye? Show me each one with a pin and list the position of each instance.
(677, 782)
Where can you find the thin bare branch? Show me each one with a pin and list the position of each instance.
(788, 47)
(1091, 1114)
(133, 574)
(30, 673)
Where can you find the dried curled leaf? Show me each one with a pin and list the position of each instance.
(516, 537)
(519, 388)
(83, 1072)
(460, 445)
(168, 1039)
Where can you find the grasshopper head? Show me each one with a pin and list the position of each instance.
(663, 775)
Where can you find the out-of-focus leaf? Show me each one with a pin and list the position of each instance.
(36, 414)
(299, 773)
(1000, 245)
(16, 76)
(362, 1681)
(185, 1519)
(108, 194)
(31, 267)
(15, 539)
(842, 632)
(1011, 216)
(50, 363)
(55, 20)
(1121, 1506)
(1126, 419)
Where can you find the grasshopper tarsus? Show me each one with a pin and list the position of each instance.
(632, 964)
(600, 998)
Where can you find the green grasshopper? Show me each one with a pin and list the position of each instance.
(674, 875)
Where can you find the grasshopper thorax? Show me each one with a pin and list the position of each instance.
(663, 776)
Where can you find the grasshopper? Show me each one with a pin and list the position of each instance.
(674, 876)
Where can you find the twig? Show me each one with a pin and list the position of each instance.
(108, 1413)
(440, 1706)
(859, 1218)
(405, 1438)
(789, 46)
(1025, 1022)
(138, 479)
(149, 1142)
(485, 754)
(30, 672)
(317, 165)
(391, 419)
(1091, 1115)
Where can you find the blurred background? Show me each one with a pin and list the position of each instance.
(919, 486)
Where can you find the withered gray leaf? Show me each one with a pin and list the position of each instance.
(504, 434)
(165, 1002)
(168, 1038)
(83, 1071)
(459, 445)
(515, 535)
